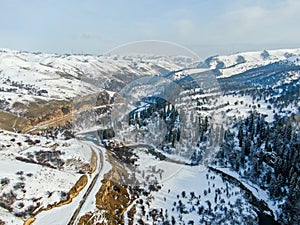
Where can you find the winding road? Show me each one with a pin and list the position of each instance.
(89, 189)
(100, 163)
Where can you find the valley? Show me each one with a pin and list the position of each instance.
(150, 139)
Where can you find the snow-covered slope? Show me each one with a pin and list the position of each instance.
(28, 77)
(237, 63)
(36, 172)
(231, 107)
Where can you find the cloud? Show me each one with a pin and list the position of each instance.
(261, 24)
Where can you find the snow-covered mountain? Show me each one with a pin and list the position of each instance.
(237, 63)
(27, 76)
(214, 142)
(34, 77)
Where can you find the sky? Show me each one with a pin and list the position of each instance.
(207, 27)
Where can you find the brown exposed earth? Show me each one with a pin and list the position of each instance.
(9, 121)
(113, 198)
(35, 114)
(53, 112)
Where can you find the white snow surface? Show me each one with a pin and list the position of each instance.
(241, 62)
(40, 184)
(176, 179)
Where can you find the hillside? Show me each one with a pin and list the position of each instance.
(147, 139)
